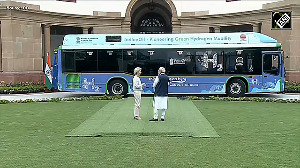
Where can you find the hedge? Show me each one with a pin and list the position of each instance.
(292, 87)
(21, 88)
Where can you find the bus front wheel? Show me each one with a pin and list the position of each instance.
(117, 87)
(236, 88)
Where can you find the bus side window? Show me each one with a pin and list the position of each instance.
(158, 58)
(250, 67)
(253, 63)
(235, 62)
(180, 62)
(199, 61)
(209, 62)
(68, 62)
(129, 60)
(109, 60)
(143, 60)
(239, 64)
(86, 60)
(257, 63)
(189, 62)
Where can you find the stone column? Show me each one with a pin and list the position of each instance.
(256, 27)
(47, 41)
(125, 26)
(176, 26)
(217, 29)
(7, 42)
(85, 30)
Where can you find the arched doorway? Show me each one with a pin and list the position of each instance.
(151, 17)
(152, 23)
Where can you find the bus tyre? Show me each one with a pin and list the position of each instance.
(236, 88)
(117, 87)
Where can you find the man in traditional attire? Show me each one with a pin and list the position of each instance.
(160, 86)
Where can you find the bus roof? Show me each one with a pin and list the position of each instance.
(209, 40)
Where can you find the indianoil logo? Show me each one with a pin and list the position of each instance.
(243, 37)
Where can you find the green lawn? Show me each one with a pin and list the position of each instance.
(251, 134)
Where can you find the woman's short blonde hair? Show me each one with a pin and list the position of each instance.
(136, 70)
(161, 70)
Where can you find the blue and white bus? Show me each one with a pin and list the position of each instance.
(214, 63)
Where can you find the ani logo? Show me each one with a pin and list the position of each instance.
(281, 20)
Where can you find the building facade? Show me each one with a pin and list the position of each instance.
(28, 33)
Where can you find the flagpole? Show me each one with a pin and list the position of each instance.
(48, 75)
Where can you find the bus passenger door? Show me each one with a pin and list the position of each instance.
(272, 81)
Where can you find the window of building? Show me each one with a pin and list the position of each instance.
(63, 30)
(211, 30)
(237, 28)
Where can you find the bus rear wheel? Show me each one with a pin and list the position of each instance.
(236, 88)
(117, 87)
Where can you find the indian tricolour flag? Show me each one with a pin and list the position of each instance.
(48, 73)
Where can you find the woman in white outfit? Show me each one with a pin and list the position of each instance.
(137, 89)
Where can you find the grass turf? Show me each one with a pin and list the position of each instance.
(116, 119)
(252, 134)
